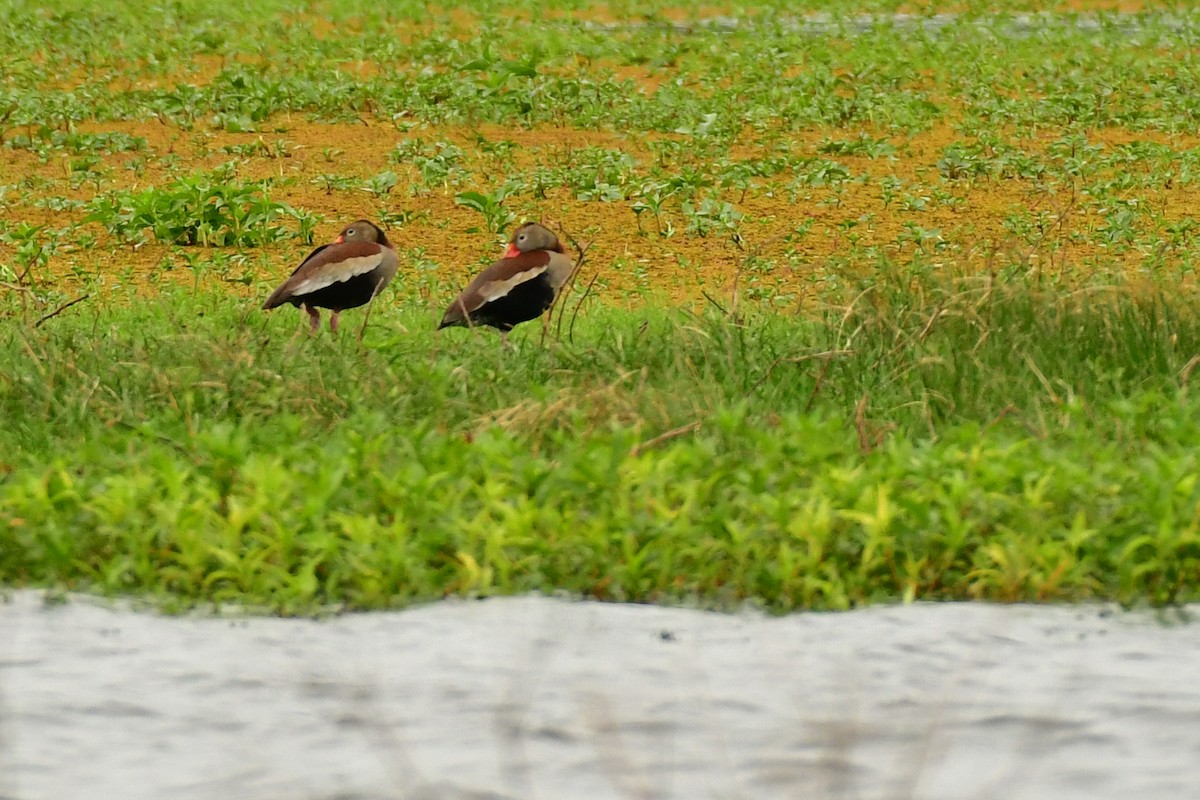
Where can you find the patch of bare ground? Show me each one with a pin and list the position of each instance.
(801, 235)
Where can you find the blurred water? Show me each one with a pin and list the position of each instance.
(1014, 25)
(539, 698)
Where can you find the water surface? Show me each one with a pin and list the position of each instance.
(540, 698)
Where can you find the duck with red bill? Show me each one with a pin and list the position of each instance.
(517, 288)
(347, 273)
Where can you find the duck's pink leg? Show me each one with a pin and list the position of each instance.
(333, 321)
(314, 319)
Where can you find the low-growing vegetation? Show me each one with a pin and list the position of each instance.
(208, 210)
(978, 444)
(873, 309)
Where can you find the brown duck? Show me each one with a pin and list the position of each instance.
(345, 274)
(518, 287)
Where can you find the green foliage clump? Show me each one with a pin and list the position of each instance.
(996, 446)
(207, 209)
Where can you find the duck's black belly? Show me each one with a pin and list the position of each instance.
(526, 301)
(352, 293)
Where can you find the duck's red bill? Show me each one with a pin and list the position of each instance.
(511, 251)
(340, 240)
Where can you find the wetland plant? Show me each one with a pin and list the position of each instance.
(207, 209)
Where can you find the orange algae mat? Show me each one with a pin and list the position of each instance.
(634, 259)
(789, 240)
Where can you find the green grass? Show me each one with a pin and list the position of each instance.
(954, 444)
(886, 433)
(893, 78)
(1031, 111)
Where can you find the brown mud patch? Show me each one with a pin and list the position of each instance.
(792, 239)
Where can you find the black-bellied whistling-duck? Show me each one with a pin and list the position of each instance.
(345, 274)
(518, 287)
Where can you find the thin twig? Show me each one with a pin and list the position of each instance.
(934, 317)
(162, 437)
(737, 276)
(581, 252)
(1004, 412)
(24, 276)
(61, 309)
(1042, 379)
(869, 436)
(817, 385)
(860, 424)
(850, 309)
(682, 430)
(579, 305)
(716, 305)
(825, 355)
(362, 329)
(1185, 374)
(367, 314)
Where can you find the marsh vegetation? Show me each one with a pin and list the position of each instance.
(867, 316)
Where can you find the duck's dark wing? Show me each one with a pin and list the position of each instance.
(327, 265)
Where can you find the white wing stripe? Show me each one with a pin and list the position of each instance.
(338, 273)
(494, 290)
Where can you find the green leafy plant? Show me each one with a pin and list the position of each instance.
(709, 216)
(944, 444)
(497, 218)
(206, 209)
(383, 183)
(439, 164)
